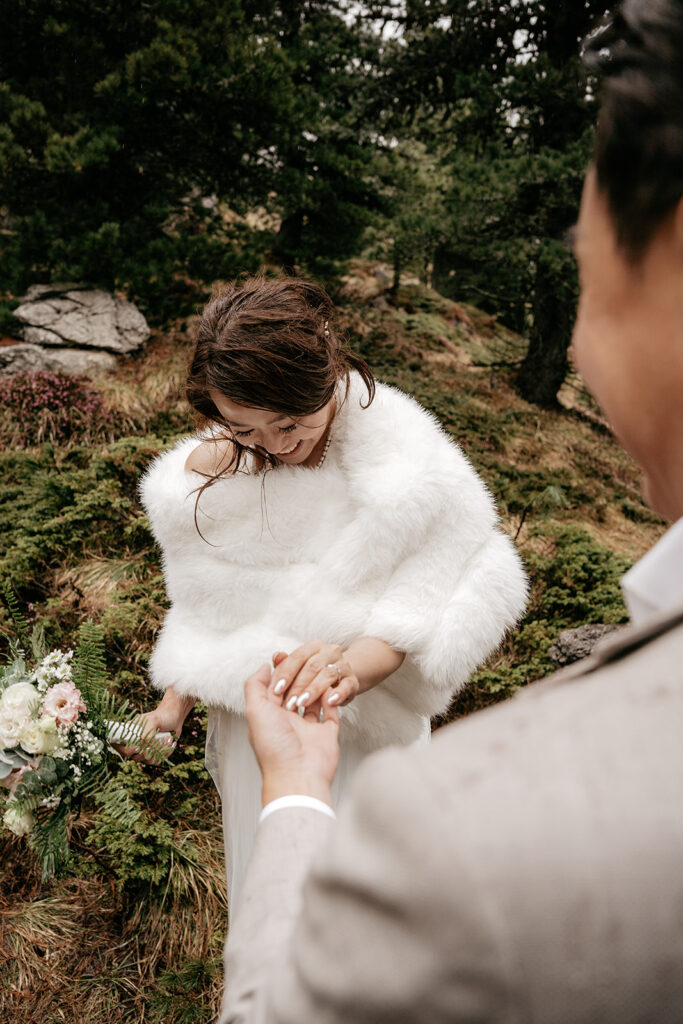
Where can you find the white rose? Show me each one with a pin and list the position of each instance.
(39, 737)
(19, 822)
(18, 699)
(10, 729)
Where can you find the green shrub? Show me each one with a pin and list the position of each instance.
(575, 582)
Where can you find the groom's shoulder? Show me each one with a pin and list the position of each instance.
(632, 677)
(625, 700)
(550, 811)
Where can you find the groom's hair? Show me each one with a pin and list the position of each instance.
(639, 145)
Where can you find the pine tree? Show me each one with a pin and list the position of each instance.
(516, 115)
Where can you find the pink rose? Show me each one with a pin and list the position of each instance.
(63, 703)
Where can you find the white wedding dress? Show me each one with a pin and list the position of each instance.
(234, 769)
(394, 536)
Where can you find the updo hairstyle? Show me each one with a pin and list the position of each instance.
(269, 344)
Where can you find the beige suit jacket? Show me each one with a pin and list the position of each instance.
(526, 866)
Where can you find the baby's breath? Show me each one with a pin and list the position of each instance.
(54, 668)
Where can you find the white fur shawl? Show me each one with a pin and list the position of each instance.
(395, 536)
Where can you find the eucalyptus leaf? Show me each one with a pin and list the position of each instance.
(46, 773)
(10, 760)
(14, 672)
(30, 783)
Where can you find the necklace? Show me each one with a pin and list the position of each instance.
(327, 443)
(325, 450)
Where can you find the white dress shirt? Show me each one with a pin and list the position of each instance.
(655, 583)
(296, 800)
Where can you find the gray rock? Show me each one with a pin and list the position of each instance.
(574, 644)
(69, 316)
(26, 358)
(36, 291)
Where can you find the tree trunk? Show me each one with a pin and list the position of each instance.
(396, 283)
(288, 242)
(545, 365)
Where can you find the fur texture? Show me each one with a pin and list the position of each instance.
(395, 536)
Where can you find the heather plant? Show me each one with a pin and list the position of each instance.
(43, 406)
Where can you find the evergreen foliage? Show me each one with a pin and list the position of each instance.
(136, 172)
(497, 94)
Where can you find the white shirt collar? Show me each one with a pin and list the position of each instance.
(655, 584)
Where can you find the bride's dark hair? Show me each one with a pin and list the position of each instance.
(268, 344)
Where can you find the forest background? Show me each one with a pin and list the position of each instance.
(424, 160)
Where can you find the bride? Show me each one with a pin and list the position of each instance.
(321, 522)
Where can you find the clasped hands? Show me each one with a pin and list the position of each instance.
(298, 752)
(313, 677)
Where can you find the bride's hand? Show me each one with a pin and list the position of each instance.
(316, 671)
(150, 723)
(169, 716)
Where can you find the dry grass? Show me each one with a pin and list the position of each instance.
(78, 952)
(91, 585)
(152, 384)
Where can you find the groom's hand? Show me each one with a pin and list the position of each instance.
(297, 754)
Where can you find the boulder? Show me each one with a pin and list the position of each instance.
(69, 316)
(26, 358)
(574, 644)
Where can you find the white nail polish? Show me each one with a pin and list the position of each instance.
(279, 686)
(333, 699)
(290, 703)
(303, 698)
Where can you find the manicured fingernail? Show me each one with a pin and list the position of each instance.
(290, 703)
(333, 699)
(302, 699)
(279, 686)
(302, 711)
(321, 716)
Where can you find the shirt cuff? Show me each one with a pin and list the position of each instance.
(296, 800)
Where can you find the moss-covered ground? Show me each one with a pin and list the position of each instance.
(134, 934)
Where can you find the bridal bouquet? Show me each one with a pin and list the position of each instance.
(58, 721)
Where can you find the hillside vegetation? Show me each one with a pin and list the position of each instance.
(135, 933)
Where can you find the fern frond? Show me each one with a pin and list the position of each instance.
(50, 840)
(22, 633)
(89, 668)
(116, 805)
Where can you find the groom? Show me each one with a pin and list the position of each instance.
(528, 864)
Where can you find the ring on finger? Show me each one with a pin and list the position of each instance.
(338, 670)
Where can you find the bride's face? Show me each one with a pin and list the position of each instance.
(293, 440)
